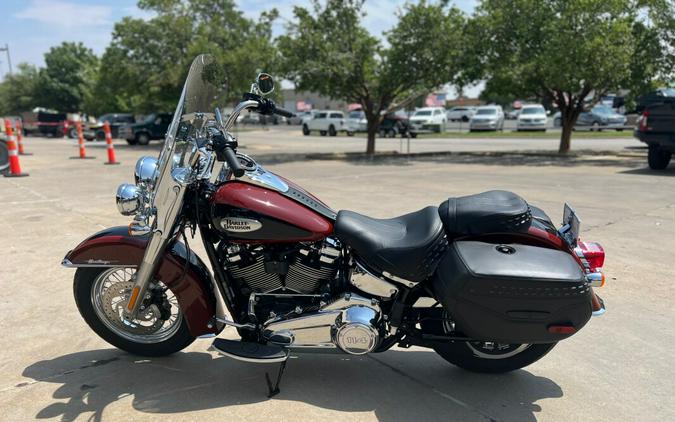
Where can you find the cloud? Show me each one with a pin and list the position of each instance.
(65, 14)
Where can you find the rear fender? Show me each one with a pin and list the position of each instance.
(114, 247)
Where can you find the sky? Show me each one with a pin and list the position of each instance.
(31, 27)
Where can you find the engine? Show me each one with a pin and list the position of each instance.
(296, 269)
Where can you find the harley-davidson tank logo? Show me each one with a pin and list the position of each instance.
(240, 225)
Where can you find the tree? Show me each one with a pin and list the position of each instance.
(66, 82)
(327, 50)
(19, 91)
(566, 50)
(144, 68)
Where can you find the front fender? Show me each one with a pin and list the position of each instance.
(114, 247)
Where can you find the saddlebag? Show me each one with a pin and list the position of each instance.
(512, 293)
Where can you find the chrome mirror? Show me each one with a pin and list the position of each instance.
(265, 83)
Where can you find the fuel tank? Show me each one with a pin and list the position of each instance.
(250, 213)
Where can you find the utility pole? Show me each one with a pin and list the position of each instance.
(9, 60)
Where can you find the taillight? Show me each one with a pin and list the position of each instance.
(642, 124)
(591, 254)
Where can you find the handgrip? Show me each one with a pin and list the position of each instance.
(284, 113)
(233, 162)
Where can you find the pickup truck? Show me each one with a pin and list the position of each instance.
(326, 122)
(656, 128)
(154, 126)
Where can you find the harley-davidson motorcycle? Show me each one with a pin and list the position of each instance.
(487, 281)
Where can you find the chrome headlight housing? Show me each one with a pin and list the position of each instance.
(128, 199)
(146, 171)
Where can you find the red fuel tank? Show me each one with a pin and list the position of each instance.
(247, 212)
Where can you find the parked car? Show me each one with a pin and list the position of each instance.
(512, 115)
(152, 127)
(429, 119)
(601, 117)
(395, 124)
(532, 117)
(656, 128)
(487, 118)
(44, 122)
(460, 113)
(326, 122)
(299, 118)
(116, 121)
(356, 122)
(653, 97)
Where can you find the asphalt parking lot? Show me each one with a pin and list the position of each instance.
(618, 368)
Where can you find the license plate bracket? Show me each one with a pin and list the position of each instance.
(570, 226)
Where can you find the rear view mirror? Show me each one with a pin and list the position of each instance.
(265, 83)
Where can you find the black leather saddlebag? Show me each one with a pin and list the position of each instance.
(512, 293)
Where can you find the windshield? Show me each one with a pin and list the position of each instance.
(356, 115)
(423, 113)
(533, 110)
(602, 110)
(486, 111)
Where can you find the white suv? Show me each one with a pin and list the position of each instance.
(429, 118)
(464, 114)
(326, 122)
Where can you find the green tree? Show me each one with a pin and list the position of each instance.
(67, 81)
(144, 68)
(566, 50)
(327, 50)
(19, 91)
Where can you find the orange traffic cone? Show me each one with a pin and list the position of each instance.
(80, 143)
(19, 138)
(109, 142)
(14, 166)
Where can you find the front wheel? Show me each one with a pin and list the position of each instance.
(492, 357)
(305, 130)
(101, 295)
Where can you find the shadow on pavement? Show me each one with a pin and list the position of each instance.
(646, 171)
(396, 385)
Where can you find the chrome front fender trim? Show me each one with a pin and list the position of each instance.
(95, 264)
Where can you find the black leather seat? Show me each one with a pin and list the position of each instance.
(408, 246)
(494, 211)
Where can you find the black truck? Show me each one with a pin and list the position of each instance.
(153, 126)
(656, 128)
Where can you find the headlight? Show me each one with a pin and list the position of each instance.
(146, 170)
(128, 199)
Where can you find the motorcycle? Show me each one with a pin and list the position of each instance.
(487, 281)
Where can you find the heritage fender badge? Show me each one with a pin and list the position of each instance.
(240, 225)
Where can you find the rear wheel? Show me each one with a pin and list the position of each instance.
(484, 356)
(658, 158)
(159, 330)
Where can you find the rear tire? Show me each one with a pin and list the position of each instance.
(85, 282)
(657, 158)
(472, 357)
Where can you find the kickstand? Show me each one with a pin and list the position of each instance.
(271, 392)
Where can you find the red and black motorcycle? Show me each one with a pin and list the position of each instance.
(486, 280)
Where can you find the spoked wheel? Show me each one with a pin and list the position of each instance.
(101, 295)
(484, 356)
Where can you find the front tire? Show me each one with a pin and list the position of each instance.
(142, 139)
(305, 130)
(100, 307)
(332, 131)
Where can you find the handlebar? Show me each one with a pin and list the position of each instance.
(284, 113)
(233, 162)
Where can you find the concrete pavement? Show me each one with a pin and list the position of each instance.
(617, 369)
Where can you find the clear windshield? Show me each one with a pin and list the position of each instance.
(486, 111)
(195, 109)
(533, 110)
(423, 113)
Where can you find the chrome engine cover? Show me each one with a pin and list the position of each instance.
(356, 333)
(351, 323)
